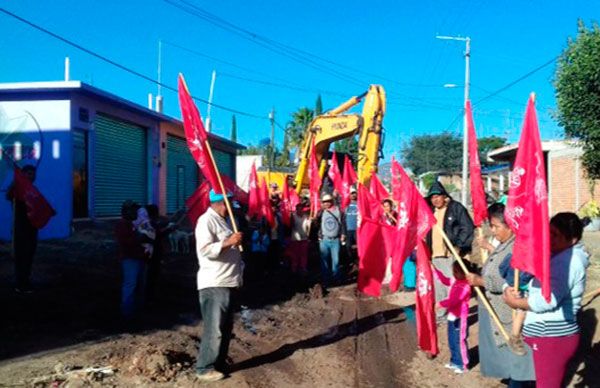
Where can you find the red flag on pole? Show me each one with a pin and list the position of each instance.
(377, 189)
(414, 220)
(39, 211)
(527, 207)
(265, 202)
(315, 180)
(480, 212)
(373, 254)
(196, 135)
(349, 178)
(285, 206)
(335, 175)
(253, 194)
(425, 301)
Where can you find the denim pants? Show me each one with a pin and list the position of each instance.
(330, 248)
(454, 343)
(217, 305)
(133, 286)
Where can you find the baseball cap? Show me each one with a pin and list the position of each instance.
(214, 197)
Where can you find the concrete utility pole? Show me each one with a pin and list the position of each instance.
(210, 99)
(465, 164)
(159, 100)
(272, 156)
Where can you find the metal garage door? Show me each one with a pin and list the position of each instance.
(182, 173)
(120, 165)
(225, 162)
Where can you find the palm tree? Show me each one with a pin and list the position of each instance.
(296, 128)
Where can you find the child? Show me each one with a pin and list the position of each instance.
(260, 247)
(457, 305)
(145, 231)
(515, 343)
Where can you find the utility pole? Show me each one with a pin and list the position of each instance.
(159, 101)
(210, 99)
(465, 164)
(272, 156)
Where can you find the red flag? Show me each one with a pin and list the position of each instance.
(414, 220)
(349, 179)
(373, 255)
(527, 207)
(285, 206)
(265, 203)
(196, 135)
(377, 189)
(294, 198)
(39, 211)
(425, 301)
(335, 175)
(315, 180)
(198, 202)
(253, 194)
(480, 213)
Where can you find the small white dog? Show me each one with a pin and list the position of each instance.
(179, 241)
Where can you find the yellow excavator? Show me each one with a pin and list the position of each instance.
(337, 124)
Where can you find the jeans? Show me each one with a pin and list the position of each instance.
(330, 248)
(217, 305)
(133, 287)
(454, 343)
(444, 265)
(24, 247)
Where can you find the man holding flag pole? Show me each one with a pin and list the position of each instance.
(218, 249)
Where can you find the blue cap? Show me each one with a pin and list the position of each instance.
(214, 197)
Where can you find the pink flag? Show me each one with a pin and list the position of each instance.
(39, 211)
(425, 301)
(374, 239)
(349, 178)
(335, 175)
(415, 219)
(527, 207)
(480, 213)
(315, 180)
(196, 135)
(377, 189)
(254, 209)
(265, 202)
(198, 202)
(285, 205)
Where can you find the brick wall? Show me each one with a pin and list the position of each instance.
(568, 184)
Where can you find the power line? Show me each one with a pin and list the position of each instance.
(513, 83)
(120, 66)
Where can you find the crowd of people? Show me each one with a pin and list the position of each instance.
(543, 334)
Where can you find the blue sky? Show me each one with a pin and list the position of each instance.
(393, 41)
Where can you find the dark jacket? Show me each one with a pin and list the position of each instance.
(129, 244)
(458, 224)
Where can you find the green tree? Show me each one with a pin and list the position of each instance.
(233, 129)
(283, 157)
(318, 106)
(577, 83)
(296, 128)
(348, 146)
(487, 144)
(441, 152)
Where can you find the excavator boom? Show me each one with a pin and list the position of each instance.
(336, 125)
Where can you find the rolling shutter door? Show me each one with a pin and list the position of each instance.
(225, 163)
(182, 173)
(120, 165)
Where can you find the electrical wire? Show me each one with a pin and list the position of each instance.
(122, 67)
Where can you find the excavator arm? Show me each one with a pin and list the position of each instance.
(336, 125)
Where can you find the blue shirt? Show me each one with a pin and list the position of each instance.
(351, 216)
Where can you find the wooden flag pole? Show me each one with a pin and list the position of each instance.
(516, 288)
(483, 252)
(590, 295)
(480, 293)
(225, 198)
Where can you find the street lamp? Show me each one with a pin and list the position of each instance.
(465, 165)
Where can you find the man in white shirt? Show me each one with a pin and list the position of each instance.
(219, 278)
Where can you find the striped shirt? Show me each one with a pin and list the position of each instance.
(550, 329)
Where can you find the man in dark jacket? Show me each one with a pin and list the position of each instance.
(457, 225)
